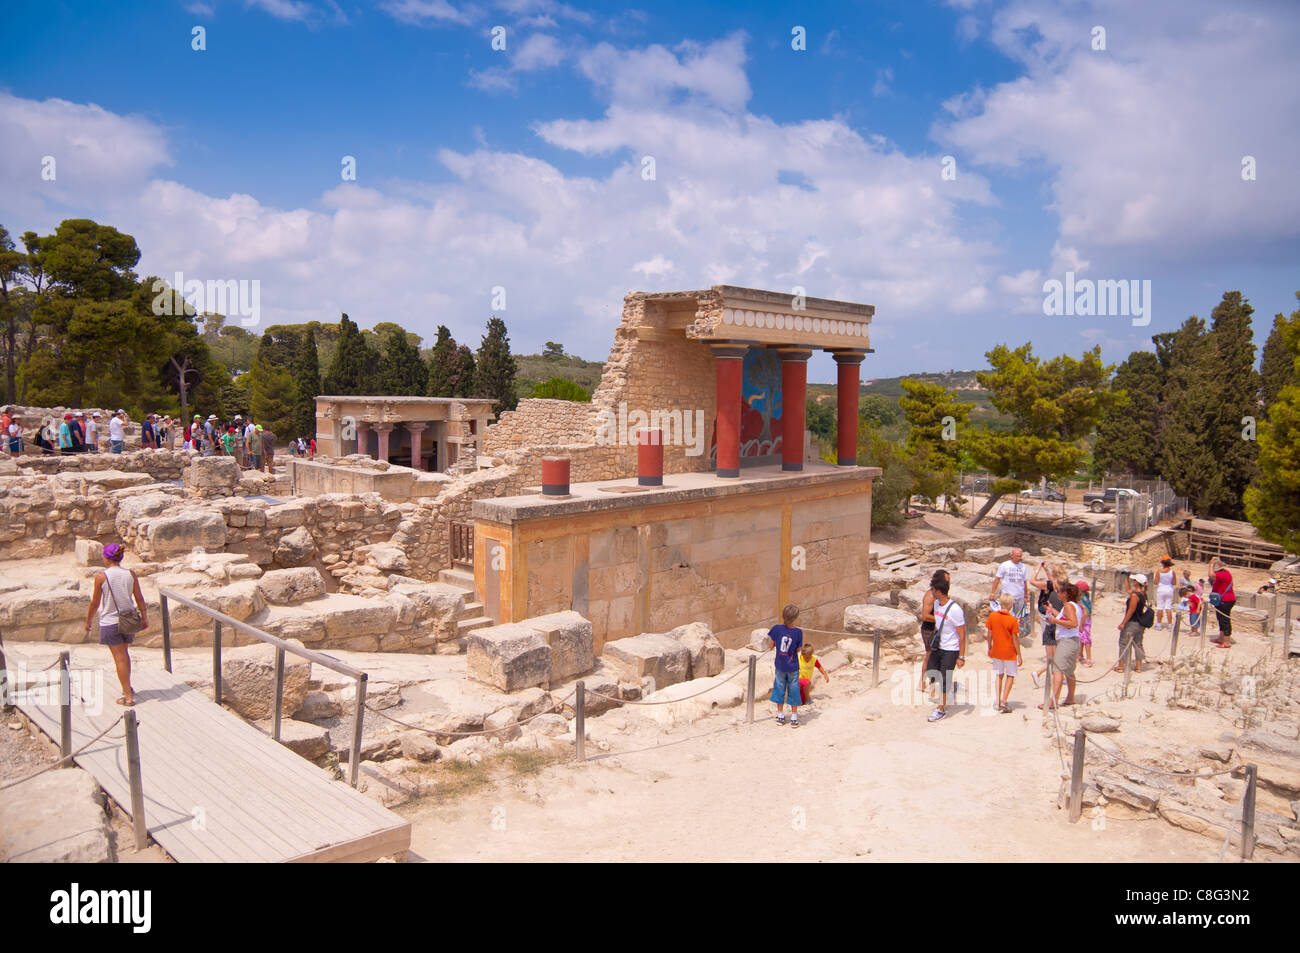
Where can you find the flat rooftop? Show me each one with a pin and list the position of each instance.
(678, 487)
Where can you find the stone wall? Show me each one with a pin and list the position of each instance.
(161, 465)
(538, 421)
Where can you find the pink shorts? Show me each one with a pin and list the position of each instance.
(1085, 632)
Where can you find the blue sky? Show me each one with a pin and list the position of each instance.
(774, 167)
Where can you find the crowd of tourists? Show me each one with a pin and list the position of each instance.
(251, 444)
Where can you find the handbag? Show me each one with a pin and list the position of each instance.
(1216, 599)
(936, 637)
(128, 622)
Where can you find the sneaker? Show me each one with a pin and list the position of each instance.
(937, 714)
(780, 719)
(1038, 683)
(794, 722)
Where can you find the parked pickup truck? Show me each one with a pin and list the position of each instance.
(1099, 502)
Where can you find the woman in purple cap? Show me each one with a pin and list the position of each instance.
(123, 588)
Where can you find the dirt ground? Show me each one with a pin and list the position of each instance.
(865, 777)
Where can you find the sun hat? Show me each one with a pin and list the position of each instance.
(1168, 561)
(114, 552)
(259, 426)
(212, 416)
(1140, 578)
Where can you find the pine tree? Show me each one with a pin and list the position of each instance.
(306, 380)
(440, 365)
(496, 368)
(1275, 365)
(1273, 499)
(1128, 435)
(561, 388)
(354, 366)
(403, 372)
(462, 377)
(1187, 456)
(1234, 408)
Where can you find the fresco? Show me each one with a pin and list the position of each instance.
(760, 408)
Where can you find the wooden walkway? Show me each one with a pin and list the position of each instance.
(215, 788)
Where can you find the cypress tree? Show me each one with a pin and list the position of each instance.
(496, 368)
(1276, 368)
(1273, 499)
(1187, 456)
(1128, 435)
(1235, 407)
(306, 374)
(403, 372)
(353, 369)
(461, 378)
(440, 365)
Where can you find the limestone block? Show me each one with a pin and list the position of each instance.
(57, 817)
(707, 653)
(509, 657)
(295, 548)
(309, 741)
(318, 706)
(248, 681)
(89, 552)
(239, 600)
(892, 624)
(437, 606)
(659, 657)
(212, 476)
(358, 617)
(184, 532)
(289, 586)
(22, 608)
(572, 642)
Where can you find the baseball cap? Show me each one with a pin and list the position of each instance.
(259, 426)
(1139, 577)
(94, 413)
(1082, 585)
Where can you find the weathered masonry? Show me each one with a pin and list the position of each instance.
(425, 433)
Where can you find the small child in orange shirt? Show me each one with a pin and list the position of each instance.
(1004, 651)
(808, 663)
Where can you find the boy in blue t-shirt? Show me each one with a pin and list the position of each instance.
(786, 640)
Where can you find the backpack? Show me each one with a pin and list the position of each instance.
(1146, 617)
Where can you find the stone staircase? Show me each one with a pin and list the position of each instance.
(897, 561)
(473, 616)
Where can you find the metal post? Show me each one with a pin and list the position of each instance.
(875, 659)
(749, 695)
(1173, 642)
(580, 722)
(1248, 814)
(5, 703)
(216, 662)
(1047, 685)
(1286, 638)
(167, 633)
(279, 693)
(133, 776)
(65, 709)
(1076, 776)
(358, 726)
(1128, 665)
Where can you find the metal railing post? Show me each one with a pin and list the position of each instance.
(5, 703)
(136, 783)
(216, 662)
(167, 633)
(1076, 776)
(279, 693)
(749, 692)
(358, 726)
(1128, 665)
(580, 721)
(1047, 685)
(1248, 813)
(65, 708)
(875, 659)
(1286, 637)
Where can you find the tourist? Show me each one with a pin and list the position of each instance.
(14, 435)
(1270, 586)
(1193, 610)
(1165, 577)
(92, 432)
(241, 455)
(1011, 584)
(1223, 598)
(1132, 627)
(255, 447)
(65, 434)
(250, 428)
(115, 628)
(148, 435)
(78, 427)
(950, 630)
(311, 449)
(1048, 579)
(268, 449)
(6, 418)
(786, 639)
(1085, 626)
(1066, 656)
(228, 442)
(117, 432)
(929, 641)
(1004, 651)
(809, 664)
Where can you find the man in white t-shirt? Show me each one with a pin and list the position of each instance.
(950, 622)
(1011, 584)
(117, 432)
(92, 433)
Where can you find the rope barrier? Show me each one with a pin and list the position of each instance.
(669, 701)
(469, 734)
(60, 762)
(1169, 774)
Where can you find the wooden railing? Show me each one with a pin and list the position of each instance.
(462, 544)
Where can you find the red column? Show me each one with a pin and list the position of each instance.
(363, 445)
(794, 391)
(383, 430)
(728, 360)
(415, 430)
(650, 457)
(555, 476)
(848, 379)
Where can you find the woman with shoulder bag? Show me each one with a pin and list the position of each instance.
(119, 620)
(1135, 622)
(1222, 598)
(939, 577)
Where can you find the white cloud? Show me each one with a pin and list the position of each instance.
(425, 12)
(883, 78)
(291, 10)
(712, 74)
(201, 9)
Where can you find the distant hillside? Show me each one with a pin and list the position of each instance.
(535, 368)
(962, 383)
